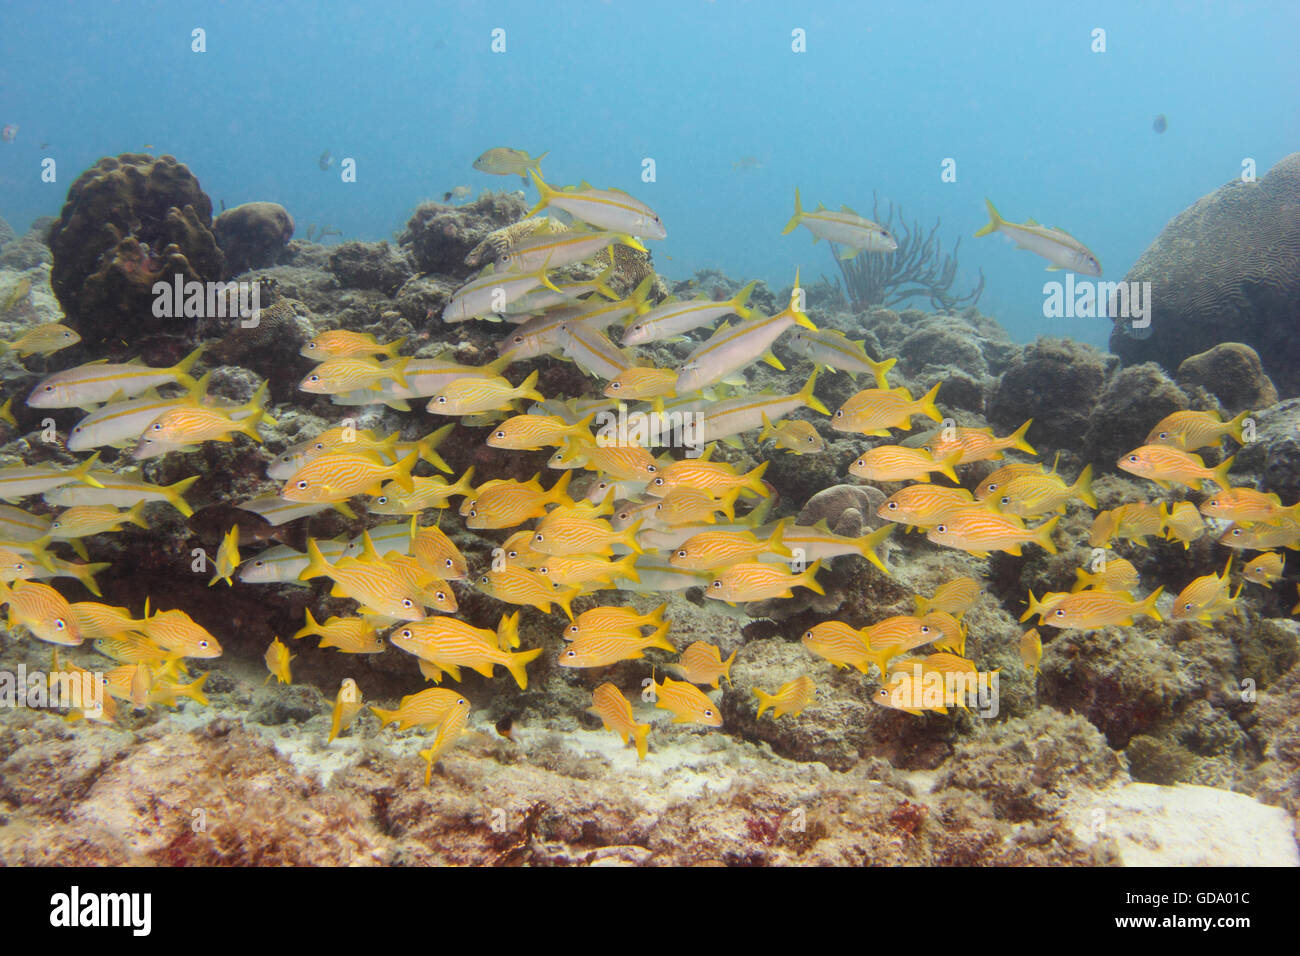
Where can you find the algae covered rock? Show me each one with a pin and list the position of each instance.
(1057, 383)
(847, 509)
(1233, 374)
(369, 265)
(253, 236)
(1226, 269)
(1134, 400)
(128, 222)
(1274, 454)
(438, 237)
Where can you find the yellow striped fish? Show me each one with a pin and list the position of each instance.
(791, 698)
(615, 712)
(686, 701)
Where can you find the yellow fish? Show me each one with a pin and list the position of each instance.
(898, 463)
(1135, 520)
(1030, 495)
(874, 411)
(791, 698)
(924, 505)
(504, 161)
(1089, 610)
(423, 709)
(98, 382)
(394, 499)
(511, 503)
(101, 620)
(277, 662)
(473, 396)
(1182, 522)
(754, 581)
(83, 521)
(1166, 465)
(566, 531)
(449, 730)
(604, 647)
(341, 343)
(347, 704)
(1001, 476)
(1249, 505)
(531, 432)
(1206, 599)
(839, 643)
(350, 635)
(952, 597)
(977, 444)
(339, 375)
(451, 644)
(589, 572)
(1262, 537)
(694, 506)
(437, 552)
(793, 435)
(43, 340)
(844, 228)
(1264, 569)
(605, 620)
(615, 712)
(1031, 650)
(686, 701)
(702, 663)
(710, 550)
(897, 635)
(517, 585)
(380, 588)
(338, 476)
(192, 424)
(1191, 431)
(227, 562)
(979, 531)
(714, 476)
(641, 382)
(1116, 575)
(42, 610)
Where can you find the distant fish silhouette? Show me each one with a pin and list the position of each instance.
(8, 133)
(326, 160)
(1160, 124)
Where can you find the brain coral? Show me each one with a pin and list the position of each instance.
(1227, 269)
(129, 221)
(253, 235)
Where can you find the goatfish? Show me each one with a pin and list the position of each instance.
(1191, 431)
(840, 644)
(1166, 465)
(504, 161)
(423, 709)
(1057, 246)
(874, 411)
(610, 209)
(754, 581)
(686, 701)
(338, 476)
(350, 635)
(1265, 569)
(1089, 610)
(42, 610)
(924, 505)
(702, 663)
(722, 420)
(491, 292)
(673, 318)
(1182, 522)
(731, 348)
(796, 436)
(449, 643)
(121, 489)
(472, 396)
(845, 228)
(835, 351)
(89, 385)
(341, 343)
(898, 463)
(347, 704)
(43, 340)
(977, 444)
(277, 662)
(979, 532)
(615, 712)
(952, 597)
(19, 481)
(791, 698)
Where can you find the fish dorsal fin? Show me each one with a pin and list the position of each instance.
(368, 551)
(822, 526)
(821, 207)
(1031, 221)
(708, 452)
(846, 209)
(134, 360)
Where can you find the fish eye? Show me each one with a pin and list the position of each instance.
(1132, 457)
(499, 434)
(313, 377)
(1236, 532)
(441, 595)
(461, 701)
(49, 388)
(808, 634)
(942, 528)
(1059, 612)
(512, 554)
(1004, 500)
(543, 570)
(441, 399)
(58, 623)
(659, 482)
(925, 628)
(891, 505)
(681, 553)
(76, 429)
(449, 563)
(382, 499)
(615, 386)
(406, 632)
(624, 515)
(259, 563)
(538, 537)
(860, 462)
(716, 584)
(1187, 606)
(811, 439)
(302, 485)
(473, 512)
(203, 644)
(570, 653)
(156, 427)
(708, 712)
(519, 339)
(839, 413)
(407, 602)
(311, 345)
(483, 580)
(1163, 435)
(652, 469)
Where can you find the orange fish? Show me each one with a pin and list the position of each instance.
(874, 411)
(687, 701)
(702, 663)
(42, 610)
(924, 505)
(1192, 430)
(609, 704)
(1089, 610)
(1248, 505)
(979, 532)
(952, 597)
(977, 444)
(791, 698)
(899, 463)
(1166, 465)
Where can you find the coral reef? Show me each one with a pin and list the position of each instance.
(369, 265)
(439, 237)
(1057, 383)
(1232, 373)
(1134, 399)
(1226, 269)
(253, 236)
(128, 222)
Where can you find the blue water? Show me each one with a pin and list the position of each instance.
(884, 93)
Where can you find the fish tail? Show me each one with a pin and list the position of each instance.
(182, 368)
(1082, 580)
(639, 734)
(386, 717)
(626, 567)
(765, 700)
(1043, 534)
(726, 666)
(630, 242)
(628, 536)
(82, 472)
(85, 573)
(927, 406)
(402, 472)
(809, 399)
(463, 485)
(564, 598)
(508, 630)
(516, 665)
(768, 430)
(309, 628)
(947, 466)
(1221, 472)
(1034, 607)
(391, 349)
(797, 217)
(754, 481)
(175, 495)
(1148, 606)
(869, 542)
(1234, 427)
(1083, 488)
(528, 389)
(994, 220)
(740, 298)
(776, 541)
(544, 193)
(922, 604)
(317, 566)
(659, 638)
(809, 578)
(194, 691)
(880, 369)
(558, 493)
(727, 503)
(1017, 439)
(536, 161)
(135, 515)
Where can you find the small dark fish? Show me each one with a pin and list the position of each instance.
(446, 196)
(223, 205)
(505, 726)
(45, 145)
(326, 160)
(1160, 124)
